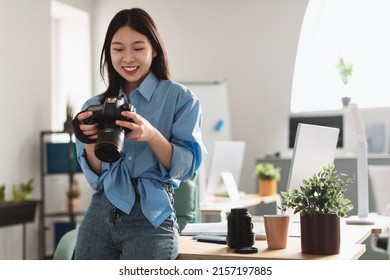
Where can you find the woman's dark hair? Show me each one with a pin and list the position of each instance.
(140, 21)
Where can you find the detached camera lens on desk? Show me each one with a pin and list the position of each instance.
(240, 235)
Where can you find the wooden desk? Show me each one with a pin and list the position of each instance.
(350, 247)
(219, 205)
(194, 250)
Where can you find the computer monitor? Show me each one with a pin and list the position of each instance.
(315, 147)
(227, 157)
(336, 121)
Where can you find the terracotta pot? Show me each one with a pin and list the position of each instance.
(320, 234)
(73, 205)
(267, 187)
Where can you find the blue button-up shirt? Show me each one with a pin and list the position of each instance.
(176, 112)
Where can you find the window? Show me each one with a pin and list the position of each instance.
(71, 61)
(355, 30)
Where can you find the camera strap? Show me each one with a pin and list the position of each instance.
(79, 133)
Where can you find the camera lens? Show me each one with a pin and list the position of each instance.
(109, 144)
(240, 229)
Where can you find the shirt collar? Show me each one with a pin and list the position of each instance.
(147, 87)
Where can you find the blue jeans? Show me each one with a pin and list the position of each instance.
(107, 233)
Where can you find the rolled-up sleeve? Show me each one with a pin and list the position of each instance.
(93, 179)
(188, 148)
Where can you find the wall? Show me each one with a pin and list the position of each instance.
(25, 93)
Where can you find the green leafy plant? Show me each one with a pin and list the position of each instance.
(267, 171)
(23, 192)
(2, 193)
(323, 193)
(345, 70)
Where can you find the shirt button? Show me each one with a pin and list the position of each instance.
(129, 157)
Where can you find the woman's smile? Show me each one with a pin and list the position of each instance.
(130, 69)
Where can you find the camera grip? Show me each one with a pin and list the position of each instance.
(79, 133)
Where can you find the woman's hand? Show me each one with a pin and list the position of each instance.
(142, 130)
(89, 130)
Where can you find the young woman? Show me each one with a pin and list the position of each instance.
(131, 213)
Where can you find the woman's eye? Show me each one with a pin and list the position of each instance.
(138, 49)
(118, 50)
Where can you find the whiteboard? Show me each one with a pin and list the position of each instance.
(216, 125)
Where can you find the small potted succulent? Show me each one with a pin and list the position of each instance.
(73, 194)
(23, 193)
(320, 202)
(268, 175)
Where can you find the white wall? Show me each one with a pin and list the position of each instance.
(252, 44)
(25, 101)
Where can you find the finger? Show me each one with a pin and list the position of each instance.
(91, 134)
(127, 124)
(130, 115)
(84, 115)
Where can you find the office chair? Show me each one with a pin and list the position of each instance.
(186, 206)
(187, 202)
(66, 246)
(380, 182)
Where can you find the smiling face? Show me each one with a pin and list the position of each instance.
(132, 55)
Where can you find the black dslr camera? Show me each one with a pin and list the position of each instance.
(111, 137)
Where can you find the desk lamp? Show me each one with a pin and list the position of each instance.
(363, 217)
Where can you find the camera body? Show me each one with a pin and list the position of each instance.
(110, 141)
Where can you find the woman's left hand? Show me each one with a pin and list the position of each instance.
(141, 129)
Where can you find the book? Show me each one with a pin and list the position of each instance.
(217, 229)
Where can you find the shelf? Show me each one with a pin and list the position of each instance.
(12, 213)
(63, 214)
(58, 158)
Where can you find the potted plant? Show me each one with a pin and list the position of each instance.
(320, 202)
(22, 208)
(267, 175)
(2, 193)
(68, 127)
(73, 195)
(345, 71)
(23, 193)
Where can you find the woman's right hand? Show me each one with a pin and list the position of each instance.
(89, 130)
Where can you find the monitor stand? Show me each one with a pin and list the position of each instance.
(231, 187)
